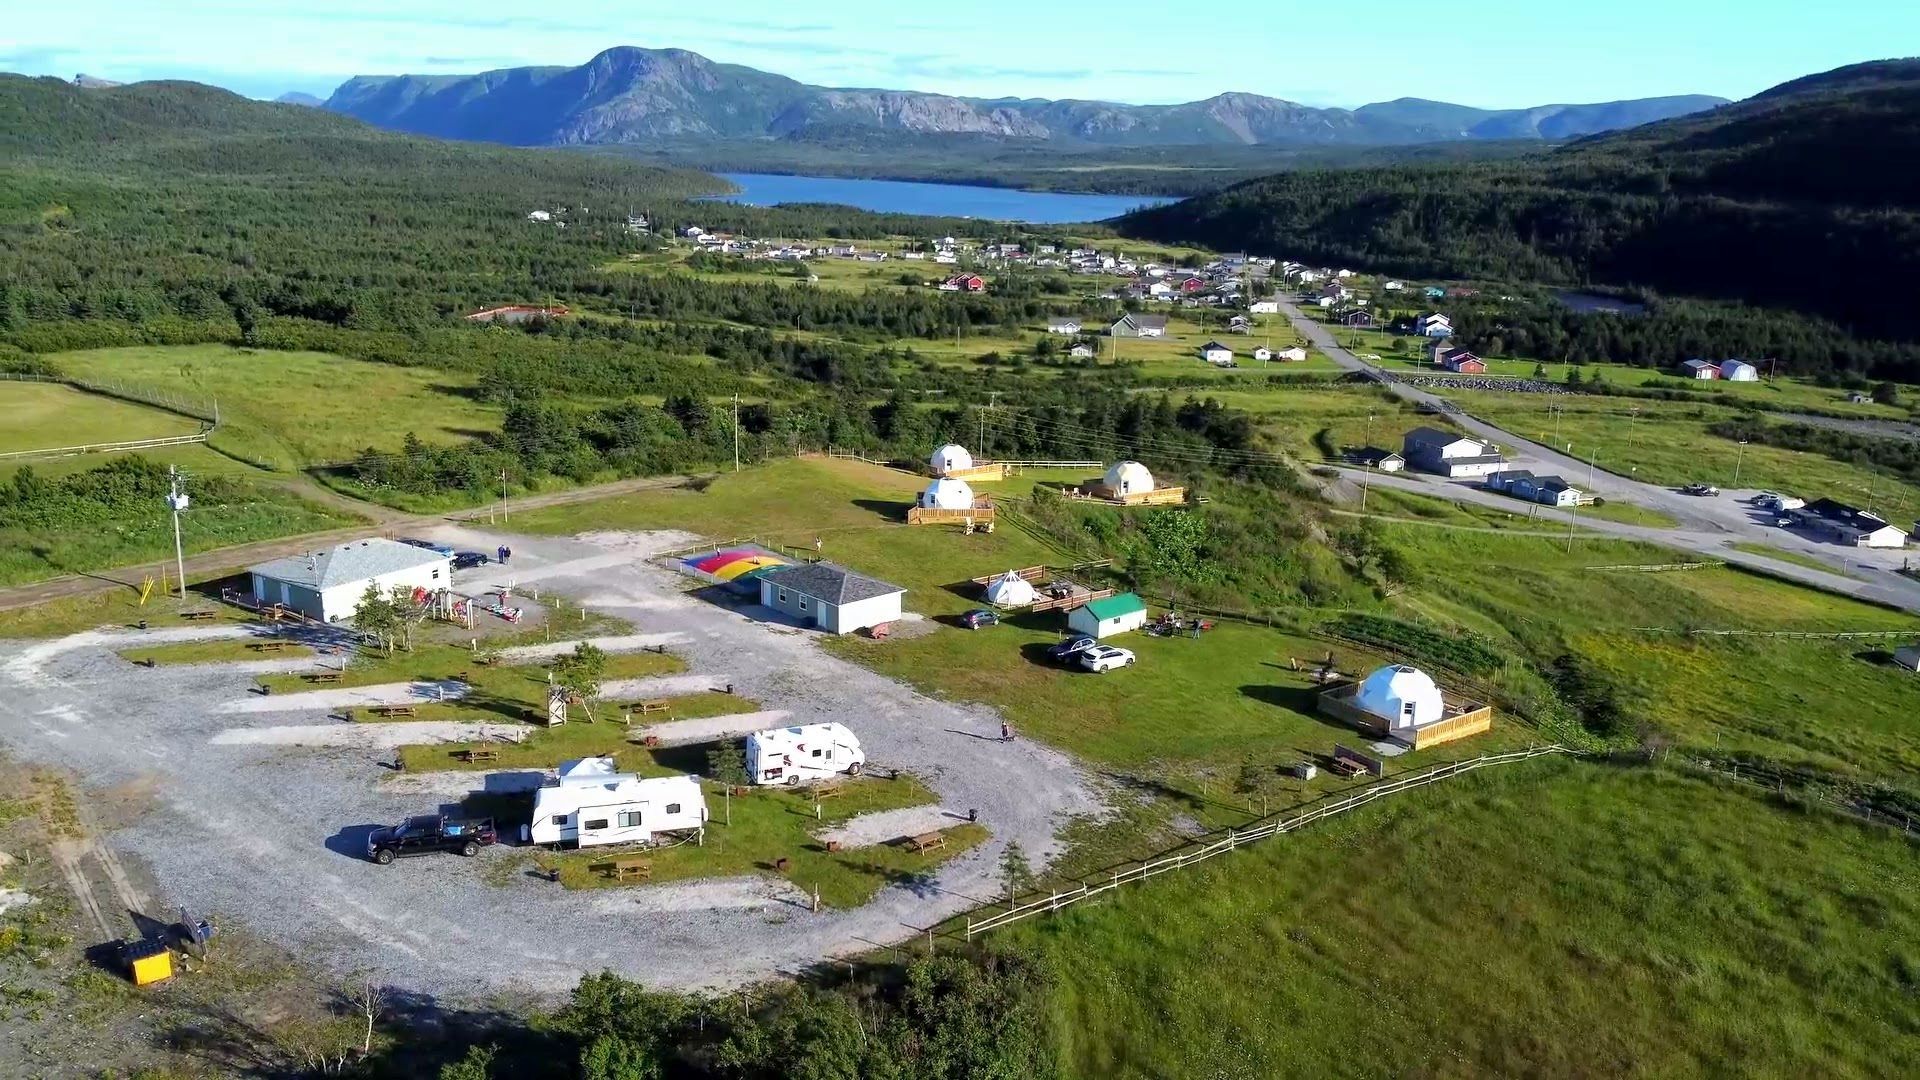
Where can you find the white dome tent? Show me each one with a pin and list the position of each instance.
(1129, 478)
(1011, 591)
(950, 458)
(1405, 697)
(944, 494)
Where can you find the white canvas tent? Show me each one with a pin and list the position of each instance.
(945, 494)
(1405, 697)
(1011, 591)
(590, 804)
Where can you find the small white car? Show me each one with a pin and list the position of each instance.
(1104, 658)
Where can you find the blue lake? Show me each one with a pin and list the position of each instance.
(940, 200)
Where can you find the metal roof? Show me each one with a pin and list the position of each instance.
(829, 582)
(1112, 607)
(348, 563)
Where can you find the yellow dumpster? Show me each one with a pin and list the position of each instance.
(149, 962)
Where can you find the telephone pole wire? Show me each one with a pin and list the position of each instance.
(177, 502)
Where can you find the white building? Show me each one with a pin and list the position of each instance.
(1063, 326)
(1011, 591)
(590, 803)
(947, 494)
(539, 215)
(1217, 354)
(1108, 616)
(1433, 326)
(1700, 369)
(791, 755)
(1739, 371)
(327, 585)
(829, 597)
(950, 458)
(1405, 697)
(1293, 354)
(1453, 456)
(1262, 353)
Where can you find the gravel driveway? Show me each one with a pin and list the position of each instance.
(269, 834)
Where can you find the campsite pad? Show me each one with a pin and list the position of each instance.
(351, 697)
(623, 643)
(660, 686)
(879, 827)
(372, 736)
(708, 728)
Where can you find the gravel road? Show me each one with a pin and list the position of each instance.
(884, 825)
(247, 820)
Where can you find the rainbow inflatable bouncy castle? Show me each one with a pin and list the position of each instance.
(736, 566)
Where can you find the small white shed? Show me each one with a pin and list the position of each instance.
(1108, 616)
(830, 597)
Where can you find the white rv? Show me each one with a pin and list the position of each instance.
(791, 755)
(590, 804)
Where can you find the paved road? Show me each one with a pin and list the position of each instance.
(380, 519)
(1706, 526)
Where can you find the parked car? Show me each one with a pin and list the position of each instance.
(979, 619)
(429, 545)
(467, 560)
(1066, 651)
(426, 835)
(1766, 499)
(1101, 659)
(1700, 489)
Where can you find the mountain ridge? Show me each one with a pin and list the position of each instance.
(631, 95)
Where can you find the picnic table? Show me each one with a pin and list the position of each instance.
(324, 677)
(1347, 767)
(391, 711)
(626, 868)
(270, 646)
(828, 791)
(927, 841)
(477, 754)
(198, 616)
(645, 707)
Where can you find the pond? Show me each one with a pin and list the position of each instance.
(936, 200)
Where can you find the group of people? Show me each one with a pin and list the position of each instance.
(503, 554)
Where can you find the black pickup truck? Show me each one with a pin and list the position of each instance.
(424, 835)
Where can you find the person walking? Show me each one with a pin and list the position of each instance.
(500, 553)
(1006, 732)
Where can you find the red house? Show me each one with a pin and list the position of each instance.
(966, 283)
(1462, 362)
(1193, 285)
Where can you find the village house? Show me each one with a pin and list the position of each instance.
(1452, 456)
(1059, 325)
(1374, 457)
(1545, 490)
(1264, 307)
(1262, 353)
(1240, 324)
(1293, 354)
(1143, 326)
(972, 283)
(1435, 325)
(1700, 369)
(1847, 525)
(1359, 320)
(1459, 361)
(1216, 354)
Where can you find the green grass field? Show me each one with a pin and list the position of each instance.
(45, 416)
(1552, 918)
(286, 410)
(213, 652)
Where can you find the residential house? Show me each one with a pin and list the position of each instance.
(1700, 369)
(1240, 324)
(1449, 455)
(1262, 353)
(1459, 361)
(1294, 354)
(1192, 284)
(945, 258)
(1144, 326)
(1545, 490)
(1217, 354)
(1264, 307)
(539, 215)
(1359, 320)
(1435, 292)
(1435, 325)
(1391, 286)
(1374, 457)
(1081, 351)
(971, 283)
(830, 597)
(1059, 325)
(1739, 371)
(1846, 525)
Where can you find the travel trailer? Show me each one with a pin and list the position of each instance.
(792, 755)
(590, 804)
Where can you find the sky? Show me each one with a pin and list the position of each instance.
(1487, 53)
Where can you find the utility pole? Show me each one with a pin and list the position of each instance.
(503, 494)
(736, 432)
(177, 502)
(1737, 461)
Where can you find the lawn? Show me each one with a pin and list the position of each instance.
(121, 608)
(213, 652)
(285, 410)
(774, 823)
(1548, 918)
(45, 416)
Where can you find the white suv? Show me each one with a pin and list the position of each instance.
(1104, 658)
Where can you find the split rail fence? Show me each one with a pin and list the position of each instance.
(1237, 838)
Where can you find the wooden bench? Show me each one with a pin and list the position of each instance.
(270, 646)
(324, 677)
(629, 868)
(477, 754)
(645, 707)
(391, 711)
(1347, 767)
(927, 841)
(199, 616)
(828, 791)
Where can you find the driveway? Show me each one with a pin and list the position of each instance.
(247, 819)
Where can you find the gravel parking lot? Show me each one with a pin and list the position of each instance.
(248, 819)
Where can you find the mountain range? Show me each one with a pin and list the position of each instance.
(628, 96)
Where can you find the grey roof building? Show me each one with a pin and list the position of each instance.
(327, 585)
(831, 597)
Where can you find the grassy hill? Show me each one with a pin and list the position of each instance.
(1799, 198)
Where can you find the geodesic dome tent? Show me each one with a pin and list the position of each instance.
(1129, 478)
(950, 458)
(944, 494)
(1405, 697)
(1011, 591)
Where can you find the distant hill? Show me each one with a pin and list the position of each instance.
(296, 97)
(1800, 197)
(92, 82)
(629, 95)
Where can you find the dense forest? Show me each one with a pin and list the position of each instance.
(1801, 199)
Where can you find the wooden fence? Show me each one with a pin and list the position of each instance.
(107, 448)
(1236, 838)
(1843, 635)
(1654, 568)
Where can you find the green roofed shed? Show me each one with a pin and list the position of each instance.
(1108, 616)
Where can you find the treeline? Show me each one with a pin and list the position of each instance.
(1801, 204)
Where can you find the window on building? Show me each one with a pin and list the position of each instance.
(781, 596)
(803, 603)
(673, 808)
(816, 753)
(560, 819)
(629, 819)
(597, 823)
